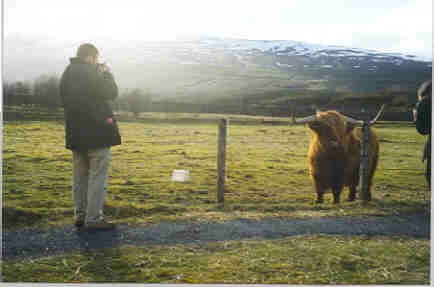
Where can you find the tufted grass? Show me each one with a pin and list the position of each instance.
(267, 177)
(314, 259)
(267, 174)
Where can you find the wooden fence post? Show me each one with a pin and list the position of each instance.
(364, 162)
(221, 160)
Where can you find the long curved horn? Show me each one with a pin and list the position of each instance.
(305, 120)
(378, 115)
(360, 122)
(353, 121)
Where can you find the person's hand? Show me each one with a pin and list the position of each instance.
(103, 67)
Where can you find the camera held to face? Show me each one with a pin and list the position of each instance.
(102, 67)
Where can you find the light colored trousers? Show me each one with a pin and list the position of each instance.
(89, 183)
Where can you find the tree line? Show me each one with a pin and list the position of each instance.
(44, 92)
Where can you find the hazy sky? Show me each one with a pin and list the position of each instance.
(386, 25)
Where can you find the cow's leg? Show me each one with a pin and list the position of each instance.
(338, 186)
(337, 179)
(336, 194)
(319, 197)
(319, 193)
(352, 194)
(369, 196)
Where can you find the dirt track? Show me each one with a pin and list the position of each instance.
(31, 243)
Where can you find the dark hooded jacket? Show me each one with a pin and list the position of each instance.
(423, 118)
(85, 93)
(423, 123)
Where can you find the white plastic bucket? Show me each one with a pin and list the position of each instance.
(180, 175)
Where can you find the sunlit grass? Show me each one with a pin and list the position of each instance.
(315, 259)
(267, 173)
(267, 177)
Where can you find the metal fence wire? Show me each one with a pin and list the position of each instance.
(265, 159)
(261, 157)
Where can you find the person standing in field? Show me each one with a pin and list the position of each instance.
(86, 88)
(423, 123)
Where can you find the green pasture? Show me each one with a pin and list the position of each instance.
(267, 174)
(307, 260)
(267, 177)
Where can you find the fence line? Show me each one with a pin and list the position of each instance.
(221, 155)
(364, 160)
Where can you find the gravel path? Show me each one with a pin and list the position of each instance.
(31, 243)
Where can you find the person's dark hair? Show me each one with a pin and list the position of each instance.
(425, 90)
(86, 50)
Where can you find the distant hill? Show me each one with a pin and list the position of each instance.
(210, 69)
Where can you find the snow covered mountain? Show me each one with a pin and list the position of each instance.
(210, 67)
(287, 47)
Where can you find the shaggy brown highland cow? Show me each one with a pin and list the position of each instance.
(334, 155)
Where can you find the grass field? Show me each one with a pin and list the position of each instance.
(316, 259)
(267, 177)
(267, 174)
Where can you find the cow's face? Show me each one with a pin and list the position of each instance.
(330, 128)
